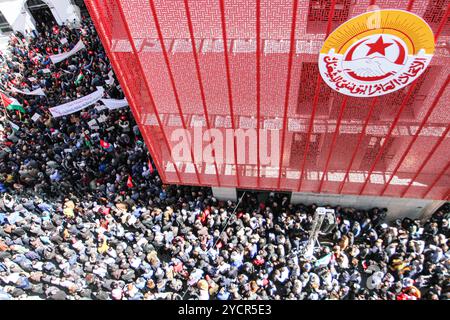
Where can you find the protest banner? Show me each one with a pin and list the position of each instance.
(77, 105)
(63, 56)
(112, 104)
(37, 92)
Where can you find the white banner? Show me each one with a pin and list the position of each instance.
(37, 92)
(77, 105)
(62, 56)
(112, 104)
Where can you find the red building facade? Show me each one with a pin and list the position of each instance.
(170, 58)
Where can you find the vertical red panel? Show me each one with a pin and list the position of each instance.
(442, 24)
(200, 82)
(230, 94)
(315, 102)
(438, 178)
(425, 161)
(416, 135)
(388, 135)
(288, 85)
(333, 142)
(358, 144)
(258, 85)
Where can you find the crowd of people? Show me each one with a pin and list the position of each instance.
(79, 220)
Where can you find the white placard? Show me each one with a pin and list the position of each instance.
(64, 40)
(102, 118)
(35, 117)
(93, 122)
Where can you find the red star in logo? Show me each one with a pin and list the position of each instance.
(378, 46)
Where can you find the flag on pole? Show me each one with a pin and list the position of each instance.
(150, 167)
(11, 103)
(130, 182)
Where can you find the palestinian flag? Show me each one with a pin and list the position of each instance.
(11, 103)
(130, 182)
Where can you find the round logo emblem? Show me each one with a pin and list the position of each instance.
(376, 53)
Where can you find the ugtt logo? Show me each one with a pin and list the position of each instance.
(218, 146)
(365, 59)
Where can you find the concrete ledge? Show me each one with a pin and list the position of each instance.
(225, 193)
(397, 207)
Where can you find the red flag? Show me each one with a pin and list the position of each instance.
(150, 167)
(130, 182)
(104, 144)
(5, 99)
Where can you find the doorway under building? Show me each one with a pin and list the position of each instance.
(41, 13)
(254, 198)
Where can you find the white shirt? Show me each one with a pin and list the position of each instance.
(204, 295)
(116, 294)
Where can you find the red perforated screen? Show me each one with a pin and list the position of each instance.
(248, 64)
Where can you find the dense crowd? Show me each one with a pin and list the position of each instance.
(79, 220)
